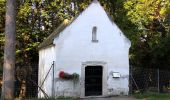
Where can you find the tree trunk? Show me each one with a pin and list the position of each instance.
(22, 90)
(9, 51)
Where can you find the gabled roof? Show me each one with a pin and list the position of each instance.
(55, 33)
(50, 38)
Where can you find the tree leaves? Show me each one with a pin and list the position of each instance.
(145, 22)
(152, 20)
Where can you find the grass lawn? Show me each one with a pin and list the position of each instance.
(152, 96)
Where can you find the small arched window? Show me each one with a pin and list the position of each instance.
(94, 34)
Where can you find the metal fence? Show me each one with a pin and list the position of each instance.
(141, 80)
(26, 80)
(149, 79)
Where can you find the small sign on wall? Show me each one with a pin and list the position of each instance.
(116, 75)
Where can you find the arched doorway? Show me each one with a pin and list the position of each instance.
(93, 80)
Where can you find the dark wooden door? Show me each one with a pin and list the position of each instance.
(93, 80)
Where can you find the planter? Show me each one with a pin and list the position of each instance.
(67, 76)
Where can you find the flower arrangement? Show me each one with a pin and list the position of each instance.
(61, 74)
(67, 76)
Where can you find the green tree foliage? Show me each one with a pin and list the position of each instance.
(37, 18)
(145, 22)
(2, 30)
(152, 18)
(143, 12)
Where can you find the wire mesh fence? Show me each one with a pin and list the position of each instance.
(26, 80)
(149, 79)
(140, 80)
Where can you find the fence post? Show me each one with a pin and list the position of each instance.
(53, 94)
(130, 80)
(158, 80)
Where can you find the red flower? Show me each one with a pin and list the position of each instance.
(61, 74)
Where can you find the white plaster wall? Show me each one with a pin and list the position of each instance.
(74, 47)
(46, 58)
